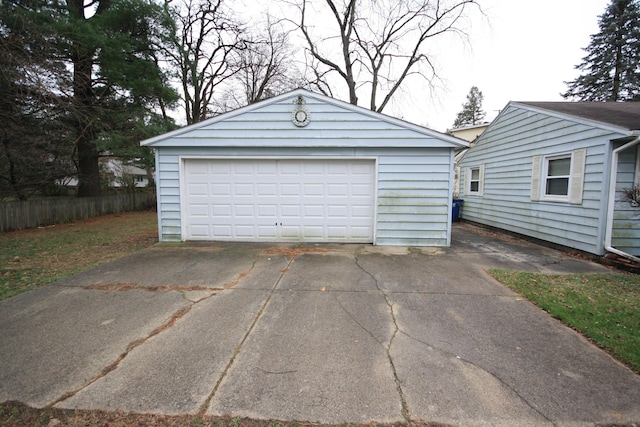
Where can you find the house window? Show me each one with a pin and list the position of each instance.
(559, 177)
(475, 178)
(140, 178)
(558, 172)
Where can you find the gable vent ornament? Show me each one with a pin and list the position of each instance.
(300, 116)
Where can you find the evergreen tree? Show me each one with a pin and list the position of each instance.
(472, 112)
(77, 79)
(611, 68)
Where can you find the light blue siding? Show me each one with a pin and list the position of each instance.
(626, 218)
(507, 150)
(413, 200)
(414, 165)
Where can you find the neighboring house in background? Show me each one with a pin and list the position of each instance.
(116, 174)
(303, 167)
(470, 134)
(557, 171)
(119, 174)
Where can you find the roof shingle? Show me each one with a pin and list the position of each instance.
(621, 114)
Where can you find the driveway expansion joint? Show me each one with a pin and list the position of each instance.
(124, 287)
(207, 402)
(134, 344)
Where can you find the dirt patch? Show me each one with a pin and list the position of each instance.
(292, 253)
(16, 414)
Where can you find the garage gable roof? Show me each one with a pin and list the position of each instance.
(332, 123)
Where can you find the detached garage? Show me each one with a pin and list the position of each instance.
(303, 167)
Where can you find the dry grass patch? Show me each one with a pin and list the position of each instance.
(35, 257)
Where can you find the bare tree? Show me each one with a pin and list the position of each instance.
(204, 47)
(267, 66)
(378, 44)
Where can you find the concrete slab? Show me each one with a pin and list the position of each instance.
(440, 273)
(546, 371)
(188, 265)
(323, 333)
(174, 372)
(57, 339)
(489, 249)
(315, 356)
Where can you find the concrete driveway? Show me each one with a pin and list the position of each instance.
(322, 333)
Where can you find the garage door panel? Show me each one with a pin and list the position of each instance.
(221, 190)
(314, 211)
(313, 232)
(338, 190)
(289, 200)
(267, 232)
(290, 211)
(290, 190)
(337, 211)
(364, 190)
(200, 210)
(267, 190)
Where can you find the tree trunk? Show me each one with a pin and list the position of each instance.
(88, 170)
(83, 100)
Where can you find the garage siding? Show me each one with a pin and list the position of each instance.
(413, 199)
(414, 165)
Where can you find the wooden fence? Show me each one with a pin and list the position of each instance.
(18, 215)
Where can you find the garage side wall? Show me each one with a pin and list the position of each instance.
(413, 196)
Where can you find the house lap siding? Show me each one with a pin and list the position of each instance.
(507, 150)
(626, 232)
(413, 170)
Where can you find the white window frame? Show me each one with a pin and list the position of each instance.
(480, 180)
(575, 178)
(545, 177)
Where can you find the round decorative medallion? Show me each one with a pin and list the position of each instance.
(301, 117)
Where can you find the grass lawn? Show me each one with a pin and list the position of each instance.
(35, 257)
(603, 307)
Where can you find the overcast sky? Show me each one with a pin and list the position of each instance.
(523, 50)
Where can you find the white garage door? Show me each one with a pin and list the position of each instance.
(279, 200)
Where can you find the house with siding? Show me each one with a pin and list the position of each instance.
(558, 171)
(303, 167)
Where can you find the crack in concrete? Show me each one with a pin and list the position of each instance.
(207, 402)
(403, 401)
(122, 287)
(405, 409)
(134, 344)
(469, 362)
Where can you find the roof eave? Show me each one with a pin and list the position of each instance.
(566, 116)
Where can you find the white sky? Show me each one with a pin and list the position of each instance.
(520, 50)
(523, 50)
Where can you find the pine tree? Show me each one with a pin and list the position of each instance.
(611, 68)
(472, 112)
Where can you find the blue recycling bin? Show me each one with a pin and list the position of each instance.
(457, 205)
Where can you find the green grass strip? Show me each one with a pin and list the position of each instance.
(603, 307)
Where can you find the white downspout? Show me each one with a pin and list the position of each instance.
(612, 199)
